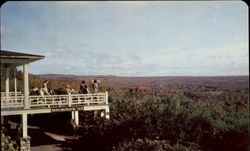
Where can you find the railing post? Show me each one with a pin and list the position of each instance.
(69, 99)
(106, 97)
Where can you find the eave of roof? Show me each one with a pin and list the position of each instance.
(9, 54)
(15, 59)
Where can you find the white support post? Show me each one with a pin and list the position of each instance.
(25, 125)
(107, 116)
(106, 97)
(26, 86)
(7, 83)
(76, 117)
(15, 84)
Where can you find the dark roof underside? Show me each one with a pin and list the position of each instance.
(4, 53)
(9, 58)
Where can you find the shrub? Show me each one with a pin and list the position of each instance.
(175, 119)
(6, 143)
(151, 145)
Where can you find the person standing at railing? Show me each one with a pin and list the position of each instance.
(86, 91)
(68, 90)
(45, 84)
(45, 87)
(84, 88)
(41, 92)
(34, 91)
(95, 86)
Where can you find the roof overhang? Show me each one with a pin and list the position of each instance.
(14, 59)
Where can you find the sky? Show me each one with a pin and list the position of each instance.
(130, 38)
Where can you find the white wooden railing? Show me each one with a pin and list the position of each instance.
(11, 101)
(12, 94)
(53, 101)
(48, 101)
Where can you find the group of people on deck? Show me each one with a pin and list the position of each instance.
(83, 88)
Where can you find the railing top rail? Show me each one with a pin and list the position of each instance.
(18, 93)
(12, 92)
(62, 95)
(12, 96)
(33, 96)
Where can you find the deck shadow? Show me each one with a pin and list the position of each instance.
(38, 137)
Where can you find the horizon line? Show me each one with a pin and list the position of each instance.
(141, 76)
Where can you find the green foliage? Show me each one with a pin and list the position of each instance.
(174, 118)
(6, 143)
(181, 119)
(151, 145)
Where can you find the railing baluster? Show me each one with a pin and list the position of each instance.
(69, 100)
(53, 101)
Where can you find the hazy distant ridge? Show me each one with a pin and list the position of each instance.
(151, 80)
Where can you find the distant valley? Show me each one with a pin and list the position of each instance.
(154, 81)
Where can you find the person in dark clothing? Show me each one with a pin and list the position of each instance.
(84, 88)
(95, 86)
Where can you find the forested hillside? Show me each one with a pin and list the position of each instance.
(174, 114)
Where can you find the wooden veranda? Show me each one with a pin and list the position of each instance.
(21, 103)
